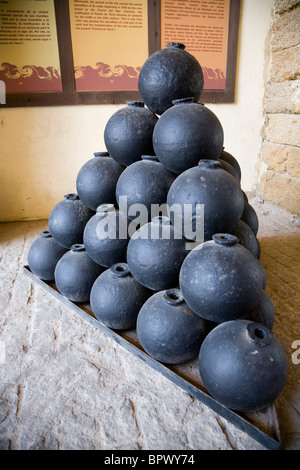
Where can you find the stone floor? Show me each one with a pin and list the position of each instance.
(66, 385)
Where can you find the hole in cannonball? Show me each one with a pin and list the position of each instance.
(174, 295)
(259, 333)
(121, 268)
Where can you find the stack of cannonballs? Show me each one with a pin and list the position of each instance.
(161, 238)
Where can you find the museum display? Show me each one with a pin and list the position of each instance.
(177, 286)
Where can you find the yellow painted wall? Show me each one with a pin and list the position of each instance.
(43, 148)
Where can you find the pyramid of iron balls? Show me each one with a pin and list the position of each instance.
(160, 237)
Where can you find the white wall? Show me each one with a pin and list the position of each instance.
(43, 148)
(243, 121)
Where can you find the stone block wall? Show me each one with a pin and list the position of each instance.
(280, 178)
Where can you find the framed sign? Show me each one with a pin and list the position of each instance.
(208, 29)
(109, 44)
(70, 52)
(28, 47)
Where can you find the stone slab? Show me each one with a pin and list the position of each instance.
(66, 385)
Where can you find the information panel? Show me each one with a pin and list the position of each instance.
(109, 43)
(202, 26)
(76, 52)
(29, 58)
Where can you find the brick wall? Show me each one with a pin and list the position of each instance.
(280, 180)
